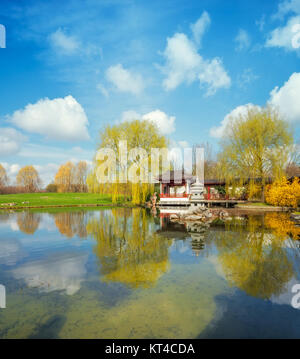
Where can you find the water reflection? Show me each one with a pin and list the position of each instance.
(71, 223)
(128, 249)
(57, 272)
(253, 258)
(122, 273)
(28, 222)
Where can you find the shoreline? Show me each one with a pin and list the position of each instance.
(264, 208)
(238, 207)
(69, 205)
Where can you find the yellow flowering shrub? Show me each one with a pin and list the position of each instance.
(283, 193)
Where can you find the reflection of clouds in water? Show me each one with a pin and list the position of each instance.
(47, 223)
(14, 225)
(286, 297)
(58, 272)
(10, 251)
(218, 266)
(9, 221)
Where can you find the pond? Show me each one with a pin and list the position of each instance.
(124, 273)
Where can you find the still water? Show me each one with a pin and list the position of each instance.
(124, 273)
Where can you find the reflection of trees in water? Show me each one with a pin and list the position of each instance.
(127, 247)
(5, 217)
(253, 258)
(28, 222)
(71, 223)
(282, 225)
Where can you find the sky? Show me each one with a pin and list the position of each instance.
(68, 68)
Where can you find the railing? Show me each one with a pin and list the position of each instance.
(211, 196)
(179, 195)
(207, 196)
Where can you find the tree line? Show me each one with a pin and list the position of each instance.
(69, 178)
(256, 147)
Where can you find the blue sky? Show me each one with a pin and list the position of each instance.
(71, 67)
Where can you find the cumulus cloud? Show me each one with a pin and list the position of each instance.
(10, 141)
(185, 65)
(125, 80)
(242, 40)
(64, 43)
(59, 119)
(286, 98)
(218, 131)
(286, 35)
(200, 26)
(165, 123)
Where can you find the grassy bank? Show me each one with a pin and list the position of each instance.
(259, 206)
(55, 199)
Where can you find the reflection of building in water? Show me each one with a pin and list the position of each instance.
(194, 230)
(28, 222)
(197, 232)
(198, 243)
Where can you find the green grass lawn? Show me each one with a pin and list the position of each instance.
(45, 199)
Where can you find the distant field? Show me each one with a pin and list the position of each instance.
(45, 199)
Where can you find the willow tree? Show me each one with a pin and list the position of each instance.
(142, 135)
(255, 145)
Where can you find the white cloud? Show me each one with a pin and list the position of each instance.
(283, 36)
(287, 6)
(11, 170)
(103, 90)
(165, 123)
(130, 115)
(200, 26)
(47, 172)
(185, 65)
(40, 152)
(64, 43)
(242, 40)
(125, 80)
(218, 131)
(286, 98)
(59, 119)
(10, 141)
(261, 23)
(246, 77)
